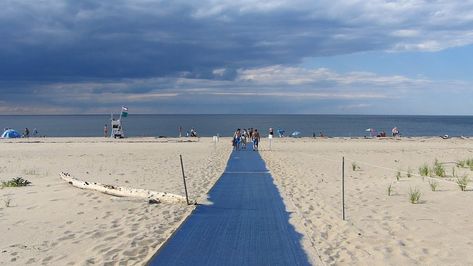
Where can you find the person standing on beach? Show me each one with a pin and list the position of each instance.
(256, 139)
(105, 131)
(237, 139)
(244, 138)
(26, 134)
(395, 132)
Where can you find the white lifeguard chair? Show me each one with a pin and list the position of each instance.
(117, 129)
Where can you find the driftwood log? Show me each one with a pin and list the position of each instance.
(151, 196)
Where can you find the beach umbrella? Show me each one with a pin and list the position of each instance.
(10, 133)
(295, 134)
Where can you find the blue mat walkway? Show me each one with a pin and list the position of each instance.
(246, 225)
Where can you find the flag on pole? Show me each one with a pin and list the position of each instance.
(124, 111)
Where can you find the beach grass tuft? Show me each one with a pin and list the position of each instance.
(354, 166)
(433, 185)
(7, 202)
(414, 196)
(15, 182)
(398, 175)
(467, 163)
(424, 170)
(409, 172)
(463, 182)
(439, 170)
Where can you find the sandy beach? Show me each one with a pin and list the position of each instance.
(53, 223)
(379, 229)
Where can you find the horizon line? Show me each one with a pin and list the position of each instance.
(117, 114)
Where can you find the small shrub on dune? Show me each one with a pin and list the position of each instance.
(433, 185)
(414, 196)
(463, 182)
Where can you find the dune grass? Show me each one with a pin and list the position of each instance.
(433, 185)
(414, 195)
(467, 163)
(15, 182)
(7, 202)
(424, 170)
(462, 182)
(390, 189)
(409, 172)
(354, 166)
(439, 169)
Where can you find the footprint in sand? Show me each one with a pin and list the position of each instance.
(112, 252)
(47, 259)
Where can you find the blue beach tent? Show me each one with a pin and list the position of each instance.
(10, 133)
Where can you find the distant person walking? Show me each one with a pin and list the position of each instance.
(256, 138)
(237, 139)
(26, 134)
(105, 130)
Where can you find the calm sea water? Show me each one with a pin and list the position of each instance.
(210, 125)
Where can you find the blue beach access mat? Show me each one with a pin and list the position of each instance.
(245, 224)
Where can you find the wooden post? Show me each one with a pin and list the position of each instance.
(343, 188)
(184, 179)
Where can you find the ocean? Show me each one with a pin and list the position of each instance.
(136, 125)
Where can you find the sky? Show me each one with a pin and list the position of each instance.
(237, 57)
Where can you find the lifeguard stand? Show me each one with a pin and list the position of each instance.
(117, 129)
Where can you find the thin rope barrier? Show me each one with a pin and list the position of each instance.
(390, 169)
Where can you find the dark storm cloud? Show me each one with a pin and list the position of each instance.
(73, 40)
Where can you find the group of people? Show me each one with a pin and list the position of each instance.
(191, 133)
(395, 133)
(26, 133)
(242, 137)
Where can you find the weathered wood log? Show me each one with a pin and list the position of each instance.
(151, 196)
